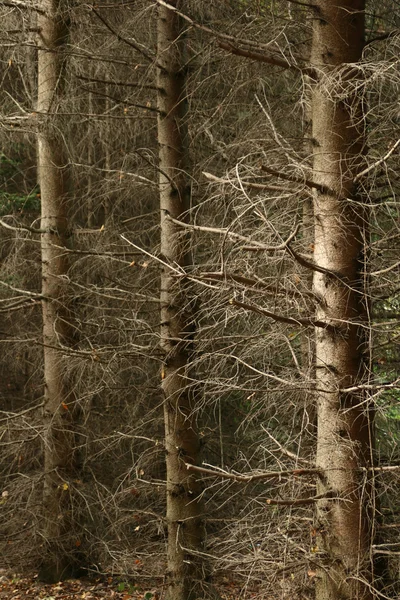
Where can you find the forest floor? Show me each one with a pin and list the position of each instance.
(18, 587)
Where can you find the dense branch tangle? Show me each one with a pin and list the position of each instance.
(236, 260)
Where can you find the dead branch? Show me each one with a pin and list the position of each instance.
(250, 184)
(298, 501)
(256, 477)
(225, 231)
(24, 5)
(309, 322)
(264, 58)
(307, 182)
(138, 47)
(378, 162)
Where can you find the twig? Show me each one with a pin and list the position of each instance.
(256, 477)
(378, 162)
(218, 34)
(309, 322)
(122, 101)
(134, 45)
(372, 387)
(256, 186)
(24, 5)
(117, 83)
(235, 40)
(386, 270)
(282, 449)
(300, 501)
(310, 264)
(153, 256)
(23, 227)
(308, 182)
(309, 5)
(225, 231)
(264, 58)
(19, 414)
(35, 295)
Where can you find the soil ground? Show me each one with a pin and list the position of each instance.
(19, 587)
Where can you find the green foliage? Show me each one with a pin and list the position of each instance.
(393, 412)
(18, 203)
(125, 586)
(8, 166)
(14, 202)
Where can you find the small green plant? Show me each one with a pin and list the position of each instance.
(18, 203)
(8, 166)
(125, 586)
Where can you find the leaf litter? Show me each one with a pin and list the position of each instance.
(18, 587)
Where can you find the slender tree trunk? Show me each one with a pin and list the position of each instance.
(58, 446)
(307, 342)
(184, 519)
(343, 530)
(344, 444)
(91, 218)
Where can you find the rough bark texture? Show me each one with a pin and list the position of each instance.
(58, 437)
(343, 528)
(185, 527)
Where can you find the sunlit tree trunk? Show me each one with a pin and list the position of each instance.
(344, 445)
(185, 528)
(58, 405)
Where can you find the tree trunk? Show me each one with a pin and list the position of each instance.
(184, 518)
(344, 431)
(58, 405)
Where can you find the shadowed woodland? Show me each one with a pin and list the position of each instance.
(199, 299)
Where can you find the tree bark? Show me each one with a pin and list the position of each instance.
(184, 510)
(58, 399)
(344, 428)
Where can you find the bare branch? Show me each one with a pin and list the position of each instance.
(372, 387)
(16, 415)
(378, 162)
(309, 5)
(264, 58)
(24, 5)
(256, 186)
(232, 41)
(282, 449)
(236, 236)
(146, 86)
(122, 101)
(256, 476)
(307, 182)
(22, 227)
(281, 319)
(154, 257)
(139, 47)
(24, 292)
(386, 270)
(300, 501)
(308, 264)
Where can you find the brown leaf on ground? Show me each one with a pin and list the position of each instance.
(17, 587)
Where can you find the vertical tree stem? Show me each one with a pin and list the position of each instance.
(185, 528)
(58, 405)
(343, 419)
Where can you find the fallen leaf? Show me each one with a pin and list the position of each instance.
(311, 573)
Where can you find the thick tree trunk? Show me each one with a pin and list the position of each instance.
(58, 437)
(184, 518)
(344, 444)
